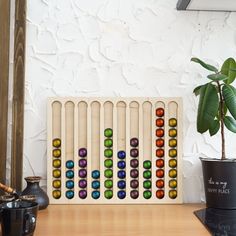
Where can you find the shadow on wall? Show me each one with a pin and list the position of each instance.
(192, 179)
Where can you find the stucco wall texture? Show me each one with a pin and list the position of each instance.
(123, 48)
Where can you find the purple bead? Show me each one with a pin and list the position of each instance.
(83, 194)
(134, 183)
(134, 194)
(82, 152)
(134, 163)
(82, 163)
(134, 152)
(134, 142)
(82, 183)
(82, 173)
(134, 173)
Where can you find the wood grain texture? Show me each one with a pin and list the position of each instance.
(18, 94)
(4, 78)
(130, 220)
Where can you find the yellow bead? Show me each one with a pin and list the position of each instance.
(56, 142)
(172, 122)
(172, 142)
(56, 152)
(172, 153)
(172, 132)
(173, 183)
(173, 173)
(56, 163)
(172, 163)
(56, 184)
(56, 194)
(172, 194)
(56, 173)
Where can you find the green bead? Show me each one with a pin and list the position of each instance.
(108, 132)
(108, 194)
(108, 142)
(108, 153)
(147, 174)
(147, 194)
(108, 184)
(108, 163)
(108, 173)
(147, 184)
(147, 164)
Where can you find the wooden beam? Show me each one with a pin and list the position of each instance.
(4, 78)
(18, 95)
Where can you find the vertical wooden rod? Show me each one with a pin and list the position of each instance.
(18, 95)
(4, 78)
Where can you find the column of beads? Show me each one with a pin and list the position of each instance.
(134, 163)
(70, 179)
(82, 173)
(172, 156)
(160, 183)
(56, 163)
(121, 174)
(108, 163)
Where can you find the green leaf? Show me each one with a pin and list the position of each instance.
(203, 64)
(230, 123)
(229, 94)
(207, 107)
(197, 90)
(214, 128)
(217, 77)
(228, 69)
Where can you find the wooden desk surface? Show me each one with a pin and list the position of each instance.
(117, 220)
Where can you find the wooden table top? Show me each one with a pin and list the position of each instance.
(116, 220)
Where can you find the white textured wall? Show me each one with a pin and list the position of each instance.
(122, 48)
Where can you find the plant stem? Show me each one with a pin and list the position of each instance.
(221, 114)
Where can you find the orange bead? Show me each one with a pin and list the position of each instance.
(159, 122)
(160, 194)
(159, 132)
(160, 183)
(160, 153)
(160, 163)
(160, 112)
(160, 173)
(160, 142)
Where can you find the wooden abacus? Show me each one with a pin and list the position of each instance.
(114, 150)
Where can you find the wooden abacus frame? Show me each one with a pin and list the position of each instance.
(80, 122)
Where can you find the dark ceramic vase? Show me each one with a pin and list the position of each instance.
(33, 188)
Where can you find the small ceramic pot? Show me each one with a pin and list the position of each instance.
(33, 188)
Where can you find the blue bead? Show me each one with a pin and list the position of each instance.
(69, 194)
(121, 194)
(121, 184)
(121, 154)
(96, 174)
(70, 184)
(70, 174)
(95, 194)
(121, 174)
(121, 164)
(95, 184)
(69, 164)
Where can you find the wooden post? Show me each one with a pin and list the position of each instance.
(18, 95)
(4, 78)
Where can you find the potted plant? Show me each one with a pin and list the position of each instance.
(217, 111)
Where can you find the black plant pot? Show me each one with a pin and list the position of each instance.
(219, 182)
